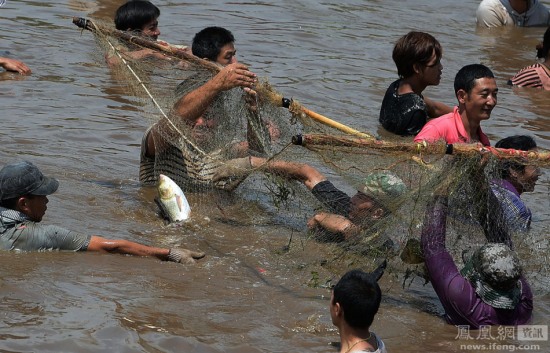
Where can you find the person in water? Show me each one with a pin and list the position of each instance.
(404, 109)
(521, 13)
(489, 290)
(139, 17)
(347, 216)
(476, 91)
(161, 155)
(354, 302)
(14, 66)
(538, 74)
(24, 194)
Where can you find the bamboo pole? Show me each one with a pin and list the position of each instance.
(538, 157)
(296, 109)
(91, 26)
(145, 43)
(275, 98)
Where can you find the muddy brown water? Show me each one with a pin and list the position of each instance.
(73, 119)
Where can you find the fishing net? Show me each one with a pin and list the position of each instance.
(279, 129)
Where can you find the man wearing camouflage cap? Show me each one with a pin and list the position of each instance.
(377, 196)
(489, 290)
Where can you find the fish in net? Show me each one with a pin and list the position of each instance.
(278, 129)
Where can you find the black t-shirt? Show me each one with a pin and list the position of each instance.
(403, 114)
(336, 200)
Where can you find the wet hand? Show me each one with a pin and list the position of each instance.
(235, 75)
(232, 168)
(15, 66)
(184, 256)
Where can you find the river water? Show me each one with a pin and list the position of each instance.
(71, 118)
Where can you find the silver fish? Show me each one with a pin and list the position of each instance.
(171, 200)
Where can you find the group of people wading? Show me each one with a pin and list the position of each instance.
(490, 289)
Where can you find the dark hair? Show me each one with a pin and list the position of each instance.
(414, 48)
(517, 142)
(466, 77)
(359, 296)
(542, 53)
(208, 42)
(135, 14)
(9, 203)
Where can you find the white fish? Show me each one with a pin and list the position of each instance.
(172, 201)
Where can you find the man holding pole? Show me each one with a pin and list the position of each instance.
(182, 161)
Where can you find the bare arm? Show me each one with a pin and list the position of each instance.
(334, 223)
(14, 65)
(127, 247)
(436, 109)
(299, 171)
(193, 105)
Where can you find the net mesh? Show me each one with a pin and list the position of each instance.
(345, 157)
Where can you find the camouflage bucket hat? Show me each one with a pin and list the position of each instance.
(494, 271)
(385, 187)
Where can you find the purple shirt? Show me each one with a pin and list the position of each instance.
(516, 214)
(457, 295)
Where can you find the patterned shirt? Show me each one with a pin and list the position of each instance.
(532, 76)
(516, 214)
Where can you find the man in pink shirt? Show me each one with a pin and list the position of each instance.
(476, 91)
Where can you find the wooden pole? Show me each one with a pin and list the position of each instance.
(145, 43)
(278, 100)
(538, 157)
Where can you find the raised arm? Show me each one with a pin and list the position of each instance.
(194, 104)
(127, 247)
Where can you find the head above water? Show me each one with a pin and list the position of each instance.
(24, 178)
(140, 16)
(356, 298)
(415, 48)
(494, 270)
(466, 77)
(522, 176)
(544, 51)
(215, 44)
(378, 196)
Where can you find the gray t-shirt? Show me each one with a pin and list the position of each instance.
(495, 13)
(17, 232)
